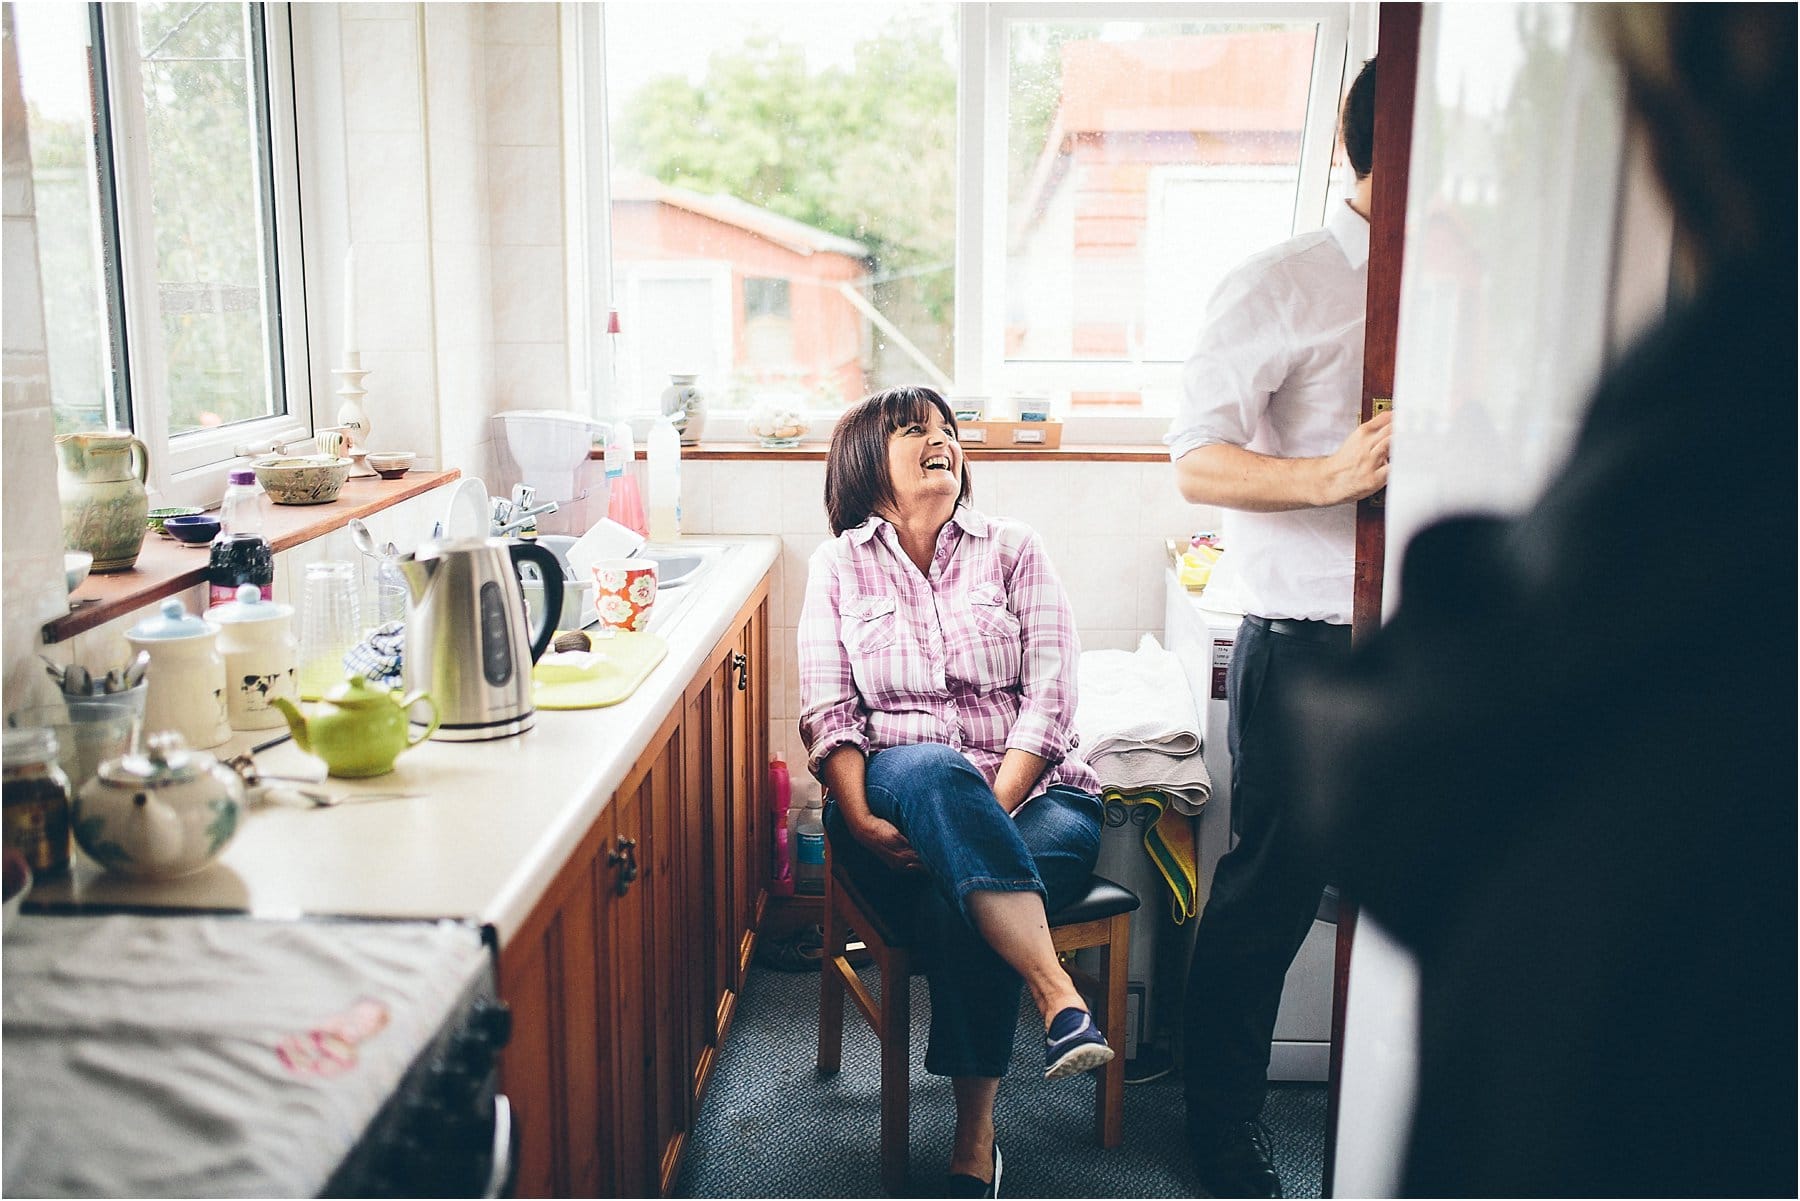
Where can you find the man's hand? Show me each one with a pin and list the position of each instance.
(1359, 467)
(1234, 478)
(884, 838)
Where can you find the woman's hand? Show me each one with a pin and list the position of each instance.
(884, 838)
(843, 772)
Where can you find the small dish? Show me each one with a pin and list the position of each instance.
(155, 518)
(75, 567)
(195, 529)
(391, 464)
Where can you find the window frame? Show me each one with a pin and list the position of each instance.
(190, 468)
(1346, 36)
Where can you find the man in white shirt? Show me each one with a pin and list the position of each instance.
(1268, 429)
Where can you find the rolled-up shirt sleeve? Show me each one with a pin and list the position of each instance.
(1051, 653)
(831, 711)
(1238, 362)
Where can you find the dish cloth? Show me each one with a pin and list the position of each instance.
(1170, 846)
(377, 657)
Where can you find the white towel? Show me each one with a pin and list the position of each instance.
(1138, 725)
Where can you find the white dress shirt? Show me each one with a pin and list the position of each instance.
(1278, 371)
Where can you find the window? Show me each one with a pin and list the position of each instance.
(162, 163)
(997, 199)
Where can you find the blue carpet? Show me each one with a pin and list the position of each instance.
(771, 1126)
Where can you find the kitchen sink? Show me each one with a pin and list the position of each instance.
(675, 566)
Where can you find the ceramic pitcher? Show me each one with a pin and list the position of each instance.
(100, 478)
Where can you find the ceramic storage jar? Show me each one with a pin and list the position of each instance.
(256, 637)
(186, 677)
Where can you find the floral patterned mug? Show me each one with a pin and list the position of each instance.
(624, 590)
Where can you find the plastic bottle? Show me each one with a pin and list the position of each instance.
(781, 876)
(809, 853)
(623, 503)
(663, 455)
(239, 554)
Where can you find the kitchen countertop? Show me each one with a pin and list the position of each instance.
(494, 821)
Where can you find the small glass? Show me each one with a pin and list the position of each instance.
(329, 625)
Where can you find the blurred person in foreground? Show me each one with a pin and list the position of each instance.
(1603, 912)
(937, 693)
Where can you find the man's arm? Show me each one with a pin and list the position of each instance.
(1235, 478)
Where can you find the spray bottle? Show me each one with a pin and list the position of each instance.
(781, 875)
(623, 503)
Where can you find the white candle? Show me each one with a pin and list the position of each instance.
(350, 343)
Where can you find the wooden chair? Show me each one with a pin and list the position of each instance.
(1101, 918)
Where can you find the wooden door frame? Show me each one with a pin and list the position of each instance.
(1397, 49)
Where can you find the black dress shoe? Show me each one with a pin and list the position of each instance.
(1234, 1161)
(960, 1184)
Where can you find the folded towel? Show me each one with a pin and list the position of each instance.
(1133, 700)
(1170, 845)
(1183, 779)
(1139, 729)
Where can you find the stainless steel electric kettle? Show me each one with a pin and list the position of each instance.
(466, 638)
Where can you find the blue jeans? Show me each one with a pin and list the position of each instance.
(967, 842)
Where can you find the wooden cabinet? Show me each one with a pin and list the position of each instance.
(624, 979)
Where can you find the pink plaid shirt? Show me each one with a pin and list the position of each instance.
(980, 656)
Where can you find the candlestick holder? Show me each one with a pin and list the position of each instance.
(351, 416)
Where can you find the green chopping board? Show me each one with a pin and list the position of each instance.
(626, 661)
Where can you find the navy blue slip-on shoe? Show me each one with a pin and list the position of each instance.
(961, 1184)
(1073, 1044)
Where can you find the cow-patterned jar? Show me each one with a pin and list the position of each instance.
(257, 639)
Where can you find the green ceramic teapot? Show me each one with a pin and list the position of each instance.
(359, 729)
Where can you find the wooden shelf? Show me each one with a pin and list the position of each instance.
(165, 566)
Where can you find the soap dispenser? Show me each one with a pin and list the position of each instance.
(664, 456)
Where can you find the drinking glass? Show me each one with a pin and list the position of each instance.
(329, 625)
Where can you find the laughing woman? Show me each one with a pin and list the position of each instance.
(937, 691)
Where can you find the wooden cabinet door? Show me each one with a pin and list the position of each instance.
(664, 899)
(558, 1069)
(748, 724)
(628, 985)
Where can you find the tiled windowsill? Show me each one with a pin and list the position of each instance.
(815, 452)
(165, 566)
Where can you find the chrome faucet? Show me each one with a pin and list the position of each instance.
(511, 516)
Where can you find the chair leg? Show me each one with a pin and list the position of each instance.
(831, 984)
(896, 1067)
(1110, 1088)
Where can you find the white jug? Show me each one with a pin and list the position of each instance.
(261, 659)
(186, 677)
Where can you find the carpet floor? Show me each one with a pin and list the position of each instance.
(772, 1126)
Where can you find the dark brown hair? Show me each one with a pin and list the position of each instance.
(856, 466)
(1359, 122)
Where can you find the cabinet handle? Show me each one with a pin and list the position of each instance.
(740, 663)
(626, 855)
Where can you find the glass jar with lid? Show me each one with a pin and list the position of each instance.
(34, 799)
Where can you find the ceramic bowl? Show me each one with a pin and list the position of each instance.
(75, 567)
(195, 530)
(391, 464)
(306, 480)
(155, 518)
